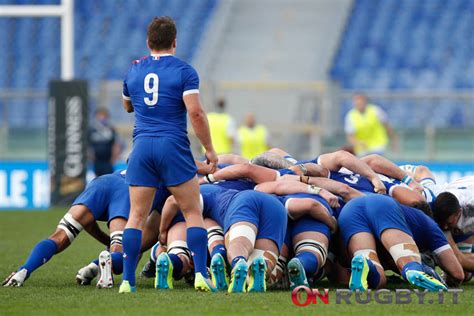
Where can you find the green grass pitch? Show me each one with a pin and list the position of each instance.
(52, 289)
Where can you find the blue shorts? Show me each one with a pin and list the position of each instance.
(106, 197)
(160, 161)
(262, 210)
(372, 214)
(302, 225)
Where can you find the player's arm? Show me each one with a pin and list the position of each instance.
(127, 105)
(343, 190)
(465, 259)
(450, 264)
(341, 158)
(200, 124)
(293, 187)
(94, 230)
(299, 207)
(257, 174)
(384, 166)
(169, 211)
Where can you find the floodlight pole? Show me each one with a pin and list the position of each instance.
(65, 11)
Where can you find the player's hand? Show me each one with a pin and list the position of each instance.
(330, 198)
(211, 160)
(416, 186)
(289, 177)
(163, 239)
(379, 187)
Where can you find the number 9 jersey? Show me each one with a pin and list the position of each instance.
(161, 154)
(156, 86)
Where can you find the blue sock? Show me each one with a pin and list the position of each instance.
(411, 266)
(373, 278)
(96, 261)
(235, 260)
(219, 249)
(153, 252)
(196, 238)
(309, 262)
(132, 240)
(177, 265)
(117, 262)
(41, 253)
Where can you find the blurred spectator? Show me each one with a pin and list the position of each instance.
(253, 138)
(223, 129)
(367, 128)
(104, 143)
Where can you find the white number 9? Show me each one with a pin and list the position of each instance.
(153, 89)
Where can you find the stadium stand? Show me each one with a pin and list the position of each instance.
(400, 45)
(98, 38)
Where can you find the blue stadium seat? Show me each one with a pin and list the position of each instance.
(105, 44)
(409, 45)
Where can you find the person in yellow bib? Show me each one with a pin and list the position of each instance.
(223, 129)
(367, 129)
(253, 138)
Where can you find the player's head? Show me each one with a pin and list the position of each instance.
(221, 104)
(359, 100)
(250, 120)
(424, 207)
(446, 210)
(102, 114)
(161, 34)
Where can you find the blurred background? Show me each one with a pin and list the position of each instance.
(294, 65)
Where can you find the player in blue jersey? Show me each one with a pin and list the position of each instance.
(104, 199)
(161, 90)
(402, 231)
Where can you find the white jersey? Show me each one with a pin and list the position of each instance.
(463, 189)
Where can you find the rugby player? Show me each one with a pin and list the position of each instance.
(104, 199)
(161, 89)
(402, 231)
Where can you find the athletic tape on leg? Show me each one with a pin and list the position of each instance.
(312, 246)
(179, 247)
(116, 238)
(242, 231)
(70, 226)
(215, 234)
(404, 250)
(369, 254)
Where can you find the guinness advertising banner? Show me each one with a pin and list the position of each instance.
(67, 139)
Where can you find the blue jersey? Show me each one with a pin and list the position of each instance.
(239, 185)
(426, 233)
(361, 183)
(156, 86)
(353, 180)
(216, 200)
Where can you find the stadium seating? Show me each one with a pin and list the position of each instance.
(416, 45)
(105, 44)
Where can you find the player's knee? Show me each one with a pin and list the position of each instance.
(67, 230)
(313, 246)
(60, 239)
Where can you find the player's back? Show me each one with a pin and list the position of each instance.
(426, 233)
(156, 85)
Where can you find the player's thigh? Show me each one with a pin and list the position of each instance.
(187, 196)
(177, 232)
(80, 214)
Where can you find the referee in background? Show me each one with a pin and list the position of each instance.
(367, 128)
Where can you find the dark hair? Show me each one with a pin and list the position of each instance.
(221, 104)
(161, 33)
(445, 205)
(424, 207)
